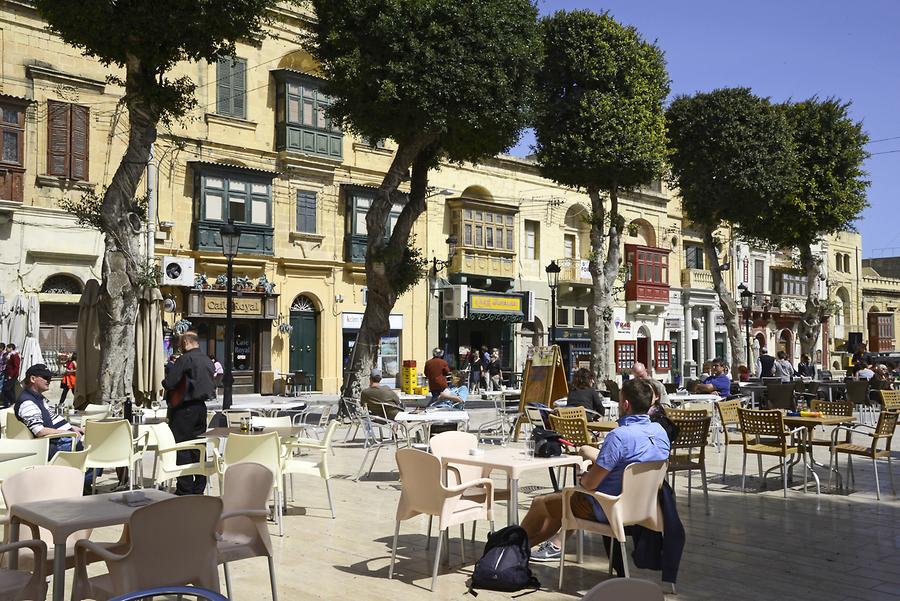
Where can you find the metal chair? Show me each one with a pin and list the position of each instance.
(692, 434)
(728, 416)
(858, 394)
(769, 424)
(884, 430)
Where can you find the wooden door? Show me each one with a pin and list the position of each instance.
(304, 348)
(881, 332)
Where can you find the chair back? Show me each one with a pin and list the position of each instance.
(456, 443)
(832, 408)
(74, 459)
(165, 440)
(44, 483)
(670, 388)
(110, 441)
(728, 412)
(247, 486)
(762, 422)
(172, 542)
(234, 417)
(420, 475)
(890, 399)
(692, 433)
(283, 421)
(686, 414)
(577, 411)
(812, 388)
(625, 589)
(639, 500)
(858, 392)
(15, 429)
(613, 389)
(96, 408)
(781, 396)
(37, 448)
(535, 417)
(887, 423)
(255, 448)
(771, 380)
(573, 429)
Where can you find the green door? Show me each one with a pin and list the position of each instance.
(303, 344)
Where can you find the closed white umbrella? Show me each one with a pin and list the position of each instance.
(18, 325)
(87, 345)
(31, 348)
(149, 357)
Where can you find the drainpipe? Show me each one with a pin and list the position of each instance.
(152, 173)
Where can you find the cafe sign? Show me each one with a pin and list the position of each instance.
(239, 306)
(248, 305)
(504, 307)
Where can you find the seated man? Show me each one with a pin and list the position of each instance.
(32, 410)
(636, 440)
(455, 395)
(380, 400)
(718, 383)
(660, 396)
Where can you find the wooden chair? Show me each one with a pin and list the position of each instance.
(770, 424)
(692, 434)
(884, 430)
(890, 400)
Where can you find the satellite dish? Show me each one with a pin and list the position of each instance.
(169, 304)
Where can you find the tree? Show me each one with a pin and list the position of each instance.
(445, 81)
(732, 157)
(145, 40)
(600, 127)
(829, 196)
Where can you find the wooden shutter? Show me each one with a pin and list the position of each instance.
(239, 88)
(306, 211)
(625, 354)
(663, 355)
(80, 121)
(223, 86)
(58, 120)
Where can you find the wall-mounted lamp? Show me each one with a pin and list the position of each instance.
(338, 298)
(439, 265)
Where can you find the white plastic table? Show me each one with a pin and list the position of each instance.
(429, 418)
(514, 462)
(62, 517)
(269, 406)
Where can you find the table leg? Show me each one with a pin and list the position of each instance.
(512, 511)
(59, 571)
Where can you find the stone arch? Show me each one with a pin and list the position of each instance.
(576, 224)
(645, 234)
(305, 303)
(62, 283)
(477, 193)
(786, 343)
(301, 61)
(844, 315)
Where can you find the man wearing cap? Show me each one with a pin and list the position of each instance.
(436, 371)
(31, 409)
(380, 400)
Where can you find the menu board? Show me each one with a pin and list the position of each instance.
(544, 380)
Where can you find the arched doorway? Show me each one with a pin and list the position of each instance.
(643, 347)
(59, 317)
(304, 340)
(786, 344)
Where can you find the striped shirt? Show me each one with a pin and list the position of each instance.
(32, 408)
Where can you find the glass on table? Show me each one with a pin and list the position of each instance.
(529, 447)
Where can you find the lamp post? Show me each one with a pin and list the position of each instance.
(553, 281)
(231, 240)
(439, 265)
(746, 305)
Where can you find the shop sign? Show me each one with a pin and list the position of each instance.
(622, 326)
(495, 303)
(673, 324)
(720, 319)
(217, 305)
(572, 334)
(353, 321)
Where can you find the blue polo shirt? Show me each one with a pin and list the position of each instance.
(636, 440)
(722, 384)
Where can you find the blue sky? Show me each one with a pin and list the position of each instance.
(787, 49)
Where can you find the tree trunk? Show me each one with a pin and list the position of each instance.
(603, 278)
(726, 303)
(122, 264)
(385, 257)
(810, 324)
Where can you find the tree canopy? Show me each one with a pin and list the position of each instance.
(599, 109)
(457, 72)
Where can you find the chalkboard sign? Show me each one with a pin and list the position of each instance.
(544, 380)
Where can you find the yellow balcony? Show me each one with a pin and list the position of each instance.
(574, 271)
(696, 278)
(483, 263)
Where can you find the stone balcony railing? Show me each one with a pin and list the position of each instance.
(696, 278)
(574, 271)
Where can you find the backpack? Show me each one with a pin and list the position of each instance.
(546, 442)
(504, 564)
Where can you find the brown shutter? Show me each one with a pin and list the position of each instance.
(58, 115)
(79, 145)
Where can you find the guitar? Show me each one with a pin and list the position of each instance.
(175, 396)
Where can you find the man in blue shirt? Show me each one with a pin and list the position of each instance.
(718, 382)
(636, 440)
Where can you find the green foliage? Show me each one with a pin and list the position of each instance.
(599, 110)
(87, 208)
(150, 37)
(830, 190)
(460, 72)
(732, 156)
(406, 270)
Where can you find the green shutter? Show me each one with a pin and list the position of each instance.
(239, 89)
(223, 86)
(306, 211)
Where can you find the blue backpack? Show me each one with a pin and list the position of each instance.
(504, 564)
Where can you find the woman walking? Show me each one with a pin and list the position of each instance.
(68, 379)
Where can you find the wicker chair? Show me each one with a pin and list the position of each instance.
(884, 430)
(692, 434)
(686, 414)
(574, 430)
(728, 416)
(770, 424)
(831, 408)
(890, 400)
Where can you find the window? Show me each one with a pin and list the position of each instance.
(626, 354)
(306, 211)
(532, 239)
(359, 207)
(570, 245)
(493, 231)
(67, 143)
(243, 198)
(562, 317)
(578, 318)
(847, 263)
(649, 267)
(790, 284)
(302, 120)
(839, 261)
(12, 156)
(231, 87)
(693, 256)
(759, 275)
(663, 355)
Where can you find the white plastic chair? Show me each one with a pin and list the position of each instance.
(317, 467)
(637, 504)
(4, 413)
(170, 542)
(112, 446)
(74, 459)
(424, 492)
(283, 421)
(37, 449)
(234, 416)
(22, 584)
(264, 449)
(165, 463)
(625, 589)
(243, 532)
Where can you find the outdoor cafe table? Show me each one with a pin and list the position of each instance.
(831, 387)
(269, 406)
(605, 425)
(290, 432)
(514, 462)
(13, 456)
(429, 418)
(810, 424)
(63, 517)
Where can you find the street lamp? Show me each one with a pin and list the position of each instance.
(231, 240)
(746, 305)
(553, 281)
(439, 265)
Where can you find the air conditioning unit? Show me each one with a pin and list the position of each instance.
(177, 271)
(453, 304)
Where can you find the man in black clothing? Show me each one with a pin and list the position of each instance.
(191, 378)
(764, 364)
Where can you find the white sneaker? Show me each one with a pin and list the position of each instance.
(546, 551)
